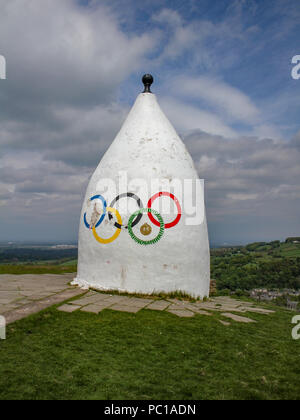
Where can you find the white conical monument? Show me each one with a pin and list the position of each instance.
(137, 232)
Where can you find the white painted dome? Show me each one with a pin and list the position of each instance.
(155, 252)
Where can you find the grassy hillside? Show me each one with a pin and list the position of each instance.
(38, 268)
(37, 260)
(261, 264)
(261, 250)
(149, 355)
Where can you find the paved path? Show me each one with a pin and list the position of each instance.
(27, 294)
(95, 302)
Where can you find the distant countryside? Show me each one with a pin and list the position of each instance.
(262, 266)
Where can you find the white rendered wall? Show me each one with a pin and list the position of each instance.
(146, 147)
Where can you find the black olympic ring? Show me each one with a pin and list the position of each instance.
(138, 217)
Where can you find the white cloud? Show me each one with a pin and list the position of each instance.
(242, 196)
(247, 176)
(58, 51)
(183, 36)
(220, 95)
(187, 117)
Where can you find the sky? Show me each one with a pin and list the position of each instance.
(222, 73)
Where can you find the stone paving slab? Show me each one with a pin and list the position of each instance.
(105, 296)
(225, 305)
(237, 318)
(23, 295)
(158, 305)
(182, 313)
(176, 307)
(86, 301)
(117, 299)
(228, 299)
(28, 293)
(225, 323)
(39, 296)
(93, 308)
(37, 306)
(95, 302)
(179, 304)
(10, 307)
(141, 300)
(21, 302)
(207, 307)
(225, 308)
(68, 308)
(5, 301)
(101, 298)
(200, 312)
(196, 309)
(124, 308)
(93, 293)
(135, 304)
(258, 310)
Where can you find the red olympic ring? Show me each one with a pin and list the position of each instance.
(175, 221)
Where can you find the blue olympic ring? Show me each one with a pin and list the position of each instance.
(103, 215)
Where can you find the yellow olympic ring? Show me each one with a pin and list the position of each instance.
(115, 235)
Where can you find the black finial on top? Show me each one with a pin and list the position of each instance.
(147, 80)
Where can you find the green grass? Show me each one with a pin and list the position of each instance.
(37, 268)
(177, 294)
(68, 263)
(290, 250)
(149, 355)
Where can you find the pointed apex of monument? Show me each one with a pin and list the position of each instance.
(147, 80)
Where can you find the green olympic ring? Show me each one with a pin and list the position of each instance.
(140, 241)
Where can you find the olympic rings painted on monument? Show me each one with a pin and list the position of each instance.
(115, 235)
(139, 202)
(176, 220)
(95, 197)
(134, 218)
(151, 241)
